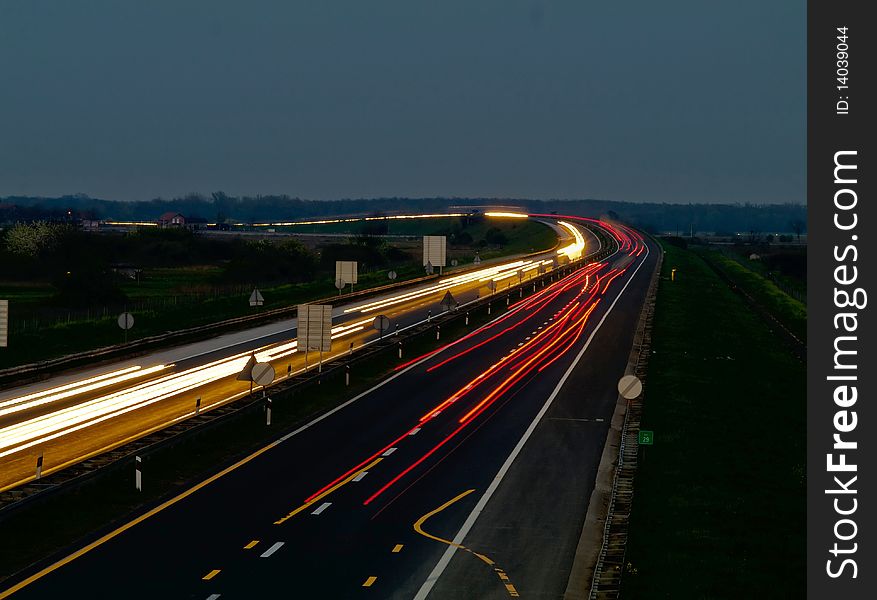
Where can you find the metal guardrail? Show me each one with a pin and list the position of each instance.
(75, 476)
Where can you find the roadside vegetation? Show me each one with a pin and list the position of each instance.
(789, 311)
(719, 509)
(66, 287)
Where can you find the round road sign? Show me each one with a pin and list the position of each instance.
(381, 323)
(339, 283)
(263, 374)
(630, 387)
(126, 320)
(391, 275)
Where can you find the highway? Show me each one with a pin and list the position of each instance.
(464, 475)
(71, 418)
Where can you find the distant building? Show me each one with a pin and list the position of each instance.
(171, 219)
(89, 224)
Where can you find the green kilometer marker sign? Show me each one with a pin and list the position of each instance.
(646, 438)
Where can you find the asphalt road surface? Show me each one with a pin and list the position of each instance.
(465, 475)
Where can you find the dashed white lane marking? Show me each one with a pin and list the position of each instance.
(322, 507)
(213, 596)
(274, 548)
(360, 476)
(414, 431)
(389, 452)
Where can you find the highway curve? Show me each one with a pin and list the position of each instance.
(71, 418)
(465, 475)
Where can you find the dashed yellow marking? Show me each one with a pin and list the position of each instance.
(418, 527)
(211, 575)
(251, 545)
(327, 492)
(397, 548)
(368, 582)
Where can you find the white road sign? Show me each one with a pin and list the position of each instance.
(435, 250)
(345, 270)
(314, 327)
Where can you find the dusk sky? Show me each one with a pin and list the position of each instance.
(675, 101)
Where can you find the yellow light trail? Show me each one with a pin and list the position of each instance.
(38, 430)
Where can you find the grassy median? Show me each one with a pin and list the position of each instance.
(719, 508)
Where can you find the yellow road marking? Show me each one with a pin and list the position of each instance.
(73, 556)
(418, 527)
(368, 582)
(397, 548)
(251, 545)
(211, 575)
(326, 493)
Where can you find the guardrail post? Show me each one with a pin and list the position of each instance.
(288, 371)
(39, 466)
(198, 405)
(350, 351)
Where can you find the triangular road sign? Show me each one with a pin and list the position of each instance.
(448, 300)
(247, 373)
(256, 298)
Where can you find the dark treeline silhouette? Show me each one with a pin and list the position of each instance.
(219, 207)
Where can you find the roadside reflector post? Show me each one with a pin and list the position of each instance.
(397, 328)
(267, 410)
(438, 332)
(521, 292)
(347, 375)
(428, 316)
(507, 300)
(198, 405)
(467, 317)
(289, 370)
(400, 349)
(138, 473)
(350, 351)
(39, 465)
(488, 308)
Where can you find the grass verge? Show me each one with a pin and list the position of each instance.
(787, 310)
(719, 510)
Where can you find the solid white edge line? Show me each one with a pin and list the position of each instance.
(445, 559)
